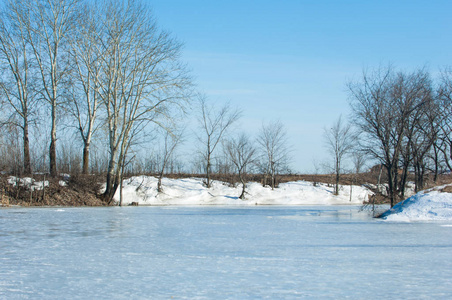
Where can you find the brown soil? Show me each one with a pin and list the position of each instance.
(78, 191)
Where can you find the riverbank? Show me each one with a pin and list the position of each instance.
(142, 190)
(40, 190)
(85, 190)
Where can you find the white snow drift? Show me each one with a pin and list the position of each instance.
(427, 205)
(191, 191)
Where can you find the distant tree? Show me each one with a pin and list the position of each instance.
(171, 139)
(242, 155)
(317, 167)
(274, 149)
(339, 142)
(213, 126)
(359, 161)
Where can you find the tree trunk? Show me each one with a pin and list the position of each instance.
(208, 184)
(85, 168)
(159, 183)
(390, 185)
(120, 191)
(273, 179)
(110, 188)
(338, 175)
(336, 188)
(242, 195)
(436, 159)
(403, 180)
(52, 149)
(419, 177)
(27, 163)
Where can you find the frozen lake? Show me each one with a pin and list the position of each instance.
(220, 253)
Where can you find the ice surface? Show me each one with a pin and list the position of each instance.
(211, 252)
(191, 191)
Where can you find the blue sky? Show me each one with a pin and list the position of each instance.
(290, 60)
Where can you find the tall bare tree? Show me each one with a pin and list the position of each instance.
(339, 141)
(17, 80)
(385, 105)
(242, 154)
(413, 93)
(85, 55)
(274, 150)
(48, 25)
(382, 131)
(444, 98)
(142, 79)
(213, 123)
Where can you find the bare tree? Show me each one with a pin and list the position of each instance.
(385, 103)
(17, 77)
(316, 171)
(48, 24)
(142, 79)
(358, 160)
(170, 141)
(242, 154)
(339, 142)
(444, 96)
(274, 150)
(214, 124)
(382, 132)
(85, 55)
(433, 131)
(413, 93)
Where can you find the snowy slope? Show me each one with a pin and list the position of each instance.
(426, 205)
(191, 191)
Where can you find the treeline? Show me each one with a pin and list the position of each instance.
(92, 86)
(96, 87)
(404, 121)
(86, 66)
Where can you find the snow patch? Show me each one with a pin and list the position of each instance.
(28, 182)
(427, 205)
(191, 191)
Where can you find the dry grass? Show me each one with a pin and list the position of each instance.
(79, 191)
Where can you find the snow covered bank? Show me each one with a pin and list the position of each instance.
(191, 191)
(428, 205)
